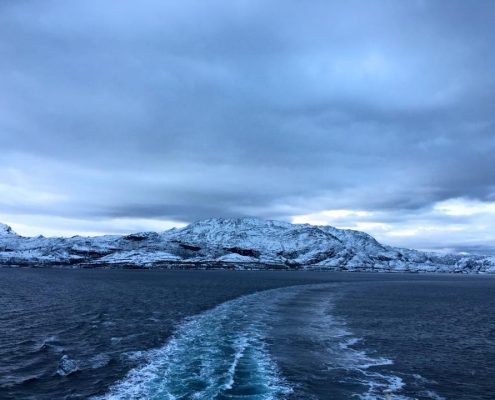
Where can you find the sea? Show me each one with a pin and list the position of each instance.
(251, 335)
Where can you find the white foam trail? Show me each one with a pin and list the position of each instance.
(222, 353)
(363, 365)
(203, 358)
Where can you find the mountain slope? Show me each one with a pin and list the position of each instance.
(234, 243)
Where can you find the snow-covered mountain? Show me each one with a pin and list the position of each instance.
(234, 243)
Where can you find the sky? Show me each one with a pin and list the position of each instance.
(119, 116)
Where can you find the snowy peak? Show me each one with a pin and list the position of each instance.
(6, 230)
(235, 225)
(272, 239)
(234, 243)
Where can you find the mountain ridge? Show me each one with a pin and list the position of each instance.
(234, 243)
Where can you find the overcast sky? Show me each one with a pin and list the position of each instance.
(117, 116)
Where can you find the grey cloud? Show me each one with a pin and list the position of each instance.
(183, 110)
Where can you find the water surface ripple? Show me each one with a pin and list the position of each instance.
(244, 335)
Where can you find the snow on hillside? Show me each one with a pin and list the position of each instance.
(238, 243)
(6, 230)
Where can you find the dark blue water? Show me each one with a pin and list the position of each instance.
(117, 334)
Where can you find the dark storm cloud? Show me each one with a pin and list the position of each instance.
(183, 110)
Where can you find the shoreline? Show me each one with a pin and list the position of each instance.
(228, 267)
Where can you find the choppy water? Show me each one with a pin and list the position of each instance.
(244, 335)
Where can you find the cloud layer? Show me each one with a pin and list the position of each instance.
(167, 112)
